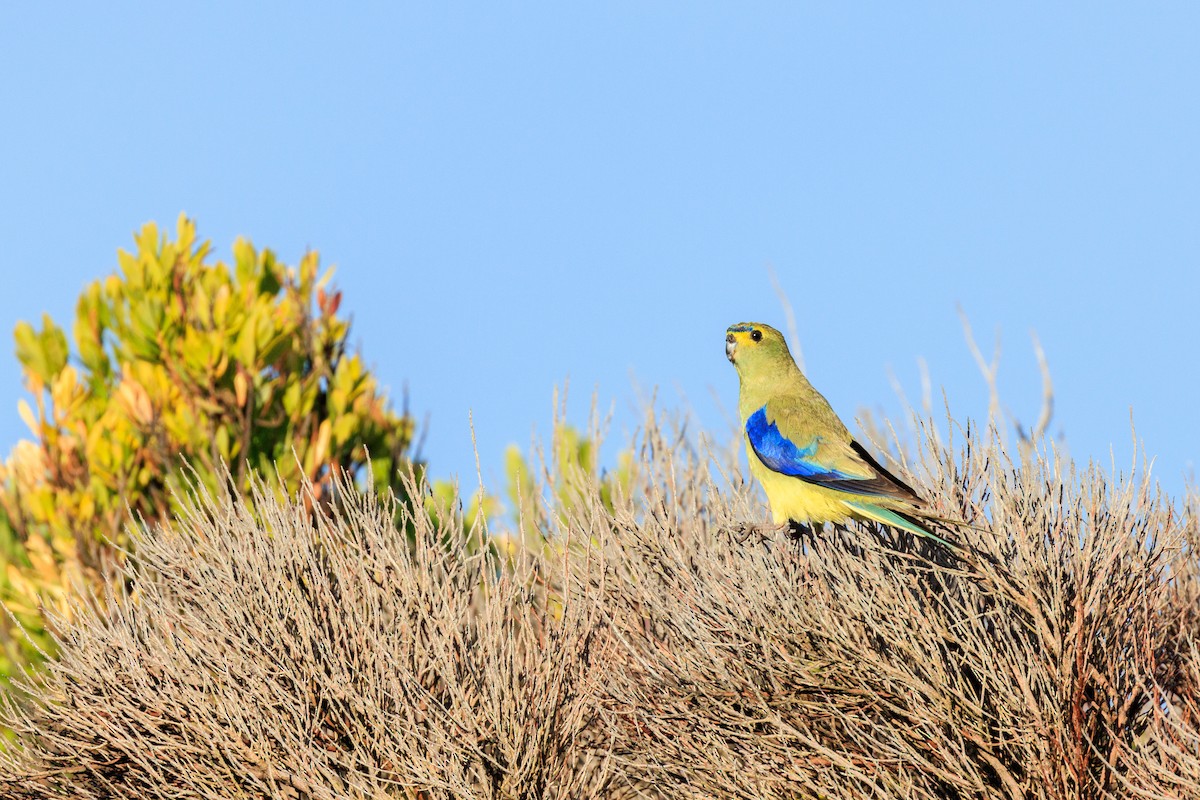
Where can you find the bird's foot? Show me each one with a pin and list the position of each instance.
(798, 531)
(744, 531)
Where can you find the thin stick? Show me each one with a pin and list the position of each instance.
(789, 317)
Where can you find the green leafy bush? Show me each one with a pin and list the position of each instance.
(179, 360)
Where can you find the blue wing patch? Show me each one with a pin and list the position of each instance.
(782, 455)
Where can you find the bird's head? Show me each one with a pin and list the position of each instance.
(752, 346)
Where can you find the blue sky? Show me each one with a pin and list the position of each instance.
(518, 194)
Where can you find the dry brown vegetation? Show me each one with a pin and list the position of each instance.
(644, 651)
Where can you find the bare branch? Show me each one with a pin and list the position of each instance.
(989, 372)
(1043, 423)
(789, 317)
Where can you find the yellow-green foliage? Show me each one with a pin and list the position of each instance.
(572, 479)
(575, 465)
(179, 359)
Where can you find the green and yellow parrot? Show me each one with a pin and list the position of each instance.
(803, 455)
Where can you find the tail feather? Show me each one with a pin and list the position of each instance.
(904, 522)
(918, 524)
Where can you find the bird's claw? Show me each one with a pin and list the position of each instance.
(743, 531)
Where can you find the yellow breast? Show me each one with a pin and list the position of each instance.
(793, 499)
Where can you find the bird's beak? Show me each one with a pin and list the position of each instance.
(730, 347)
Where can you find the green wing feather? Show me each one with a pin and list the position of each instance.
(806, 422)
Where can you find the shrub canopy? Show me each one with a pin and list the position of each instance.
(179, 359)
(641, 649)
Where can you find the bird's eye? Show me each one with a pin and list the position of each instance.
(756, 335)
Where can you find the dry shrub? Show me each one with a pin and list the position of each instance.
(857, 667)
(646, 651)
(264, 656)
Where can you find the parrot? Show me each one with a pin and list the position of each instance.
(809, 465)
